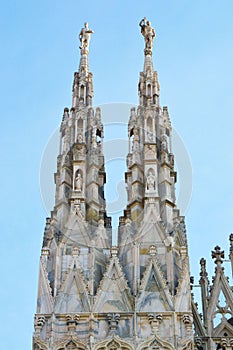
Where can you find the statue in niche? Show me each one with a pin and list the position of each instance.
(164, 143)
(135, 140)
(78, 182)
(150, 181)
(148, 32)
(80, 138)
(84, 37)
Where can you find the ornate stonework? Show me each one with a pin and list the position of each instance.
(95, 296)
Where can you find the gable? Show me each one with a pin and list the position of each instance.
(153, 292)
(224, 329)
(220, 287)
(73, 296)
(113, 294)
(155, 342)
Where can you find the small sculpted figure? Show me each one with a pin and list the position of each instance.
(150, 182)
(148, 32)
(78, 182)
(84, 36)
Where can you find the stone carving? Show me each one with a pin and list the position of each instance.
(218, 255)
(77, 210)
(84, 37)
(155, 320)
(79, 151)
(150, 151)
(135, 147)
(80, 138)
(78, 182)
(113, 320)
(45, 251)
(72, 321)
(149, 34)
(164, 143)
(188, 321)
(152, 250)
(150, 181)
(226, 343)
(39, 321)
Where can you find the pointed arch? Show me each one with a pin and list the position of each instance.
(149, 89)
(82, 90)
(113, 343)
(70, 344)
(224, 329)
(187, 344)
(154, 341)
(38, 344)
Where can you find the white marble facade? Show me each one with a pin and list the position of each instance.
(137, 295)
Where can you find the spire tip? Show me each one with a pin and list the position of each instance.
(149, 34)
(84, 37)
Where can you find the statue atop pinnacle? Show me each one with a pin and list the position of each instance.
(84, 38)
(149, 34)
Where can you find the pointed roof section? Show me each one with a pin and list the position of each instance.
(220, 285)
(73, 294)
(76, 230)
(45, 299)
(113, 294)
(151, 229)
(154, 291)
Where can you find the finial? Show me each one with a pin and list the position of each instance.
(84, 38)
(231, 243)
(218, 255)
(231, 251)
(149, 34)
(203, 272)
(114, 251)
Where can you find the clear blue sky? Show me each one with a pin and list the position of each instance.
(193, 54)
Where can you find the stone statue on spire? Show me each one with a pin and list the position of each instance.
(84, 37)
(149, 34)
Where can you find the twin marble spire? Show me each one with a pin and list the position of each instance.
(135, 295)
(93, 295)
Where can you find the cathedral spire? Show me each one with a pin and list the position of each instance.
(84, 38)
(148, 88)
(82, 86)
